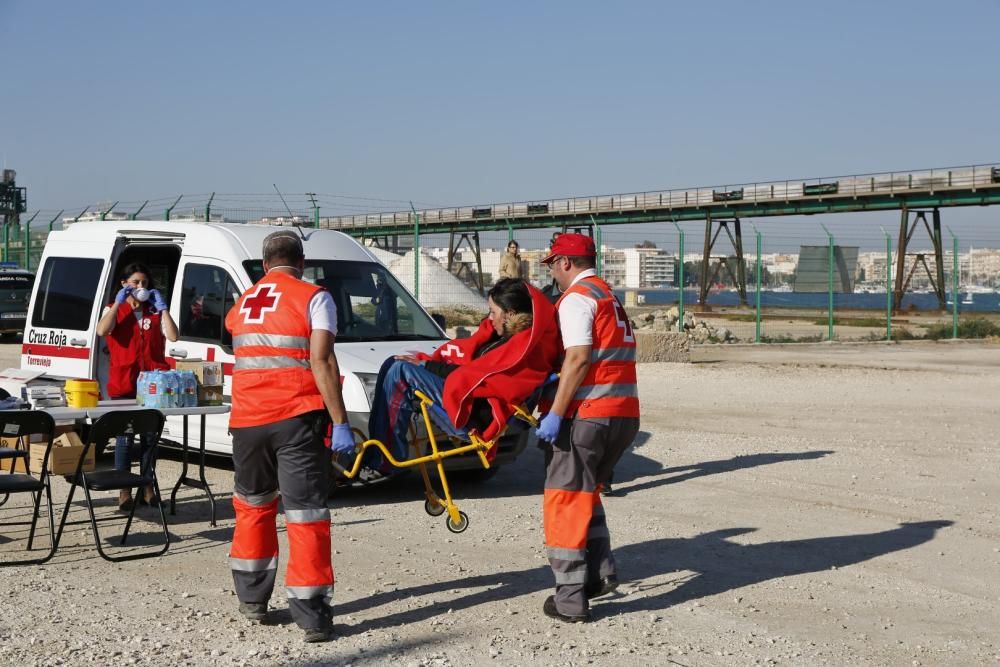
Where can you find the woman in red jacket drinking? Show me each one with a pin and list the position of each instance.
(136, 326)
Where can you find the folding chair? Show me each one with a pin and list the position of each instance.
(108, 426)
(22, 424)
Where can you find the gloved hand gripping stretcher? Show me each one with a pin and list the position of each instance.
(438, 424)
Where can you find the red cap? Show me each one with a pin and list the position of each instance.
(571, 245)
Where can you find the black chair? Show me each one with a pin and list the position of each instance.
(23, 424)
(108, 426)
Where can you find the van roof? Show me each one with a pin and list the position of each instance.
(207, 238)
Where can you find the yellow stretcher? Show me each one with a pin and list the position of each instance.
(456, 521)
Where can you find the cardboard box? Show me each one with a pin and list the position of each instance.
(36, 450)
(13, 443)
(65, 454)
(208, 372)
(210, 394)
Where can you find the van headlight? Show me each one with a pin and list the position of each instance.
(368, 381)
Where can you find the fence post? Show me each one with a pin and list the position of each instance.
(757, 298)
(104, 213)
(312, 198)
(166, 213)
(599, 259)
(680, 291)
(134, 215)
(510, 232)
(27, 243)
(888, 285)
(416, 252)
(208, 207)
(954, 284)
(54, 218)
(829, 285)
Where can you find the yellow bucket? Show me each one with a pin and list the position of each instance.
(82, 393)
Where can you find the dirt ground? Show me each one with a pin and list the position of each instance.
(806, 505)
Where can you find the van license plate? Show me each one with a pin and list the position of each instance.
(13, 316)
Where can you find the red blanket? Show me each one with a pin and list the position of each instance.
(506, 375)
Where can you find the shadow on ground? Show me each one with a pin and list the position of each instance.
(526, 476)
(705, 565)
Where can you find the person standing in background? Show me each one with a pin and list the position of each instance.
(510, 263)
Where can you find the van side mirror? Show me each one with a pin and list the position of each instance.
(440, 319)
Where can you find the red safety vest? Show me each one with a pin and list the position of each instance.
(272, 378)
(134, 345)
(610, 388)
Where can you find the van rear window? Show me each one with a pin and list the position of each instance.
(66, 292)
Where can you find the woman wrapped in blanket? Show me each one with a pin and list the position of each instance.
(478, 380)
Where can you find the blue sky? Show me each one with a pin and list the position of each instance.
(461, 102)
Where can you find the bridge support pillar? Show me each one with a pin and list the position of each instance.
(472, 240)
(903, 277)
(710, 272)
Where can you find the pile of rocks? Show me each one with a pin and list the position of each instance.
(698, 331)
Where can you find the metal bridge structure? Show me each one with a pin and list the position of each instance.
(918, 195)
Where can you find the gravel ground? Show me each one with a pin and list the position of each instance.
(815, 506)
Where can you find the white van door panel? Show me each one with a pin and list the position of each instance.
(60, 336)
(204, 291)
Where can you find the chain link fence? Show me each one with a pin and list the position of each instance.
(769, 280)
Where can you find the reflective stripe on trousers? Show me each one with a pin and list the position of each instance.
(324, 593)
(255, 537)
(309, 564)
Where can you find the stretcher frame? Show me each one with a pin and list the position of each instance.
(456, 521)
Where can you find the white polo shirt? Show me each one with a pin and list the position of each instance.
(323, 312)
(576, 315)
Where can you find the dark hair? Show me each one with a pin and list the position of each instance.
(512, 295)
(284, 247)
(137, 267)
(513, 243)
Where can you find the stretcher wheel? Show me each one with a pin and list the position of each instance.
(463, 523)
(433, 508)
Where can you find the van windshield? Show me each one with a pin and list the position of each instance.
(371, 304)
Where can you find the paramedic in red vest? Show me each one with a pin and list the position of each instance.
(286, 386)
(592, 420)
(136, 326)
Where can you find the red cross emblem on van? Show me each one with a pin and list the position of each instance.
(264, 299)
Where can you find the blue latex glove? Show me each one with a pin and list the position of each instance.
(122, 295)
(548, 429)
(343, 439)
(159, 303)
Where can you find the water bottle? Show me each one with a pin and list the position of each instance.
(190, 385)
(152, 390)
(171, 389)
(140, 388)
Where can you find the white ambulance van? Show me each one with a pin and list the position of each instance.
(201, 269)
